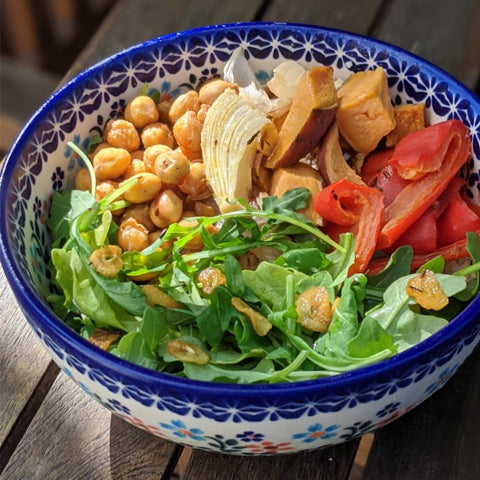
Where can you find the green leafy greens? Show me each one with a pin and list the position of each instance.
(374, 318)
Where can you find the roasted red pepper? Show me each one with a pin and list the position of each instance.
(457, 218)
(378, 173)
(348, 207)
(448, 142)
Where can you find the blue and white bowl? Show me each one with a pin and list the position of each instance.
(236, 419)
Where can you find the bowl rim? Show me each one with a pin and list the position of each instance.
(31, 303)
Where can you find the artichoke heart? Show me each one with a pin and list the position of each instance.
(230, 137)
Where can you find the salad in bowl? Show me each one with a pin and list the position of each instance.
(246, 232)
(250, 238)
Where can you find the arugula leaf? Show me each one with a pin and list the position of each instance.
(132, 347)
(406, 325)
(473, 285)
(84, 295)
(214, 321)
(398, 266)
(65, 207)
(268, 282)
(305, 260)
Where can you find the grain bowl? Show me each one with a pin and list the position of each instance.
(253, 419)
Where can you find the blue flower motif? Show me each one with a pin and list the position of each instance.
(180, 430)
(388, 409)
(74, 159)
(116, 406)
(442, 379)
(57, 178)
(108, 382)
(250, 436)
(357, 429)
(316, 431)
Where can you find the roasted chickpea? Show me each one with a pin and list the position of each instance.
(145, 189)
(195, 182)
(187, 131)
(122, 134)
(151, 154)
(83, 180)
(183, 103)
(99, 147)
(141, 111)
(136, 166)
(196, 243)
(166, 208)
(203, 209)
(132, 235)
(210, 91)
(172, 167)
(153, 236)
(141, 214)
(157, 134)
(110, 163)
(163, 110)
(104, 188)
(202, 113)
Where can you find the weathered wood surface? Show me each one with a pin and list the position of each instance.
(73, 437)
(349, 15)
(447, 33)
(23, 360)
(439, 440)
(134, 21)
(325, 464)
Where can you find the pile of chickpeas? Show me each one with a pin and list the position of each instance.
(161, 145)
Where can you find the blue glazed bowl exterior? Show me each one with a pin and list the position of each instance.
(236, 419)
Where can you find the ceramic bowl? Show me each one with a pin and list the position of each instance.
(236, 419)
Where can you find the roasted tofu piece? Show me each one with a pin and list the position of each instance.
(331, 162)
(408, 119)
(311, 113)
(365, 113)
(300, 175)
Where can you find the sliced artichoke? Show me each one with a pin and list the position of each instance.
(231, 135)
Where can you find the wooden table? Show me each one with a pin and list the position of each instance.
(50, 429)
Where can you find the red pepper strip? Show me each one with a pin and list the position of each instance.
(471, 205)
(378, 173)
(422, 151)
(358, 209)
(423, 235)
(451, 252)
(417, 196)
(457, 219)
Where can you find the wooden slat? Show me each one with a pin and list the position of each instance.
(23, 360)
(324, 464)
(437, 441)
(130, 22)
(75, 438)
(444, 32)
(24, 88)
(350, 15)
